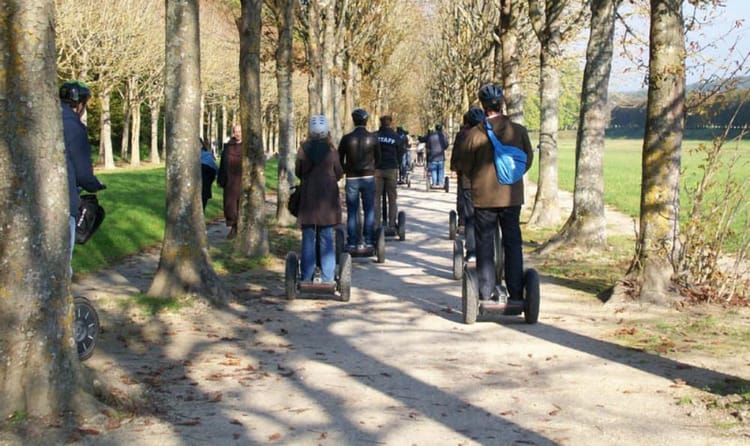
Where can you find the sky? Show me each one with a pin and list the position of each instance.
(723, 33)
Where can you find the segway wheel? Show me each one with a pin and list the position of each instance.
(345, 276)
(470, 296)
(339, 241)
(86, 327)
(531, 300)
(401, 222)
(458, 258)
(452, 225)
(291, 275)
(499, 256)
(447, 184)
(380, 245)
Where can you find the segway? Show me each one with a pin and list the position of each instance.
(85, 327)
(342, 281)
(472, 307)
(378, 250)
(400, 229)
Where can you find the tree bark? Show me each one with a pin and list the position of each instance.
(547, 22)
(252, 233)
(511, 60)
(40, 374)
(586, 226)
(135, 122)
(653, 269)
(284, 71)
(153, 106)
(184, 264)
(105, 127)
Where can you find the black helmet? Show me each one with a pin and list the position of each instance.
(474, 116)
(491, 96)
(438, 127)
(359, 116)
(74, 92)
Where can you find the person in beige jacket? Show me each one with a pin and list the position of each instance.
(495, 203)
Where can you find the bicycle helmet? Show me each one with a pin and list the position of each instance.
(318, 126)
(474, 116)
(491, 96)
(75, 92)
(438, 127)
(359, 116)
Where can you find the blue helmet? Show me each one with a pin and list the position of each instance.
(491, 96)
(474, 116)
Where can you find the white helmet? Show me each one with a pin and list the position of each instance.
(318, 126)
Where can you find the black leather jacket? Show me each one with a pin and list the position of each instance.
(359, 152)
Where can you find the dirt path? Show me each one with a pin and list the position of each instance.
(394, 366)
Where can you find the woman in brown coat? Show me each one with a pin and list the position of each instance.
(319, 169)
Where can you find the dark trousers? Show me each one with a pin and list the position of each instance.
(485, 222)
(466, 215)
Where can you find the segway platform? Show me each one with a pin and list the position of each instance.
(472, 307)
(341, 285)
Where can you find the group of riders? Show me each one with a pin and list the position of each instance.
(374, 163)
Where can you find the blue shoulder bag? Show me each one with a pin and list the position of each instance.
(510, 161)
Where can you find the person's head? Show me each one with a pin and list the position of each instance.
(386, 121)
(203, 144)
(76, 94)
(438, 127)
(474, 116)
(491, 97)
(237, 132)
(318, 128)
(400, 130)
(359, 117)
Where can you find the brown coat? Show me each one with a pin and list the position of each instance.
(319, 202)
(476, 159)
(230, 179)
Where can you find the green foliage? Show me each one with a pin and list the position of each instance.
(154, 305)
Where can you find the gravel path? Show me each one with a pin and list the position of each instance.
(394, 366)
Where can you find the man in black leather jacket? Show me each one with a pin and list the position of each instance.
(359, 152)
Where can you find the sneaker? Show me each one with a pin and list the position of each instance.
(351, 248)
(500, 295)
(369, 246)
(471, 258)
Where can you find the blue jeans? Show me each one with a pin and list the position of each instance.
(356, 187)
(325, 251)
(485, 222)
(404, 165)
(437, 173)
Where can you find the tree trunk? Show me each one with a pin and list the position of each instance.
(154, 108)
(105, 127)
(184, 264)
(252, 233)
(511, 59)
(284, 70)
(586, 227)
(135, 134)
(40, 374)
(315, 58)
(653, 269)
(126, 118)
(547, 20)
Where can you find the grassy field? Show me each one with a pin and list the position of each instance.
(135, 205)
(622, 169)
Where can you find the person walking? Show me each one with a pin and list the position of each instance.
(74, 96)
(436, 146)
(230, 179)
(208, 173)
(387, 172)
(359, 153)
(494, 203)
(319, 169)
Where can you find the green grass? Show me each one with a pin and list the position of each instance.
(135, 205)
(622, 170)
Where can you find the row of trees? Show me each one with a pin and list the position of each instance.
(344, 53)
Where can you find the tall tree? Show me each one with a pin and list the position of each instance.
(252, 239)
(652, 270)
(184, 265)
(551, 21)
(284, 11)
(510, 60)
(40, 374)
(586, 226)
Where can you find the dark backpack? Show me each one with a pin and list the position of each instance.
(89, 218)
